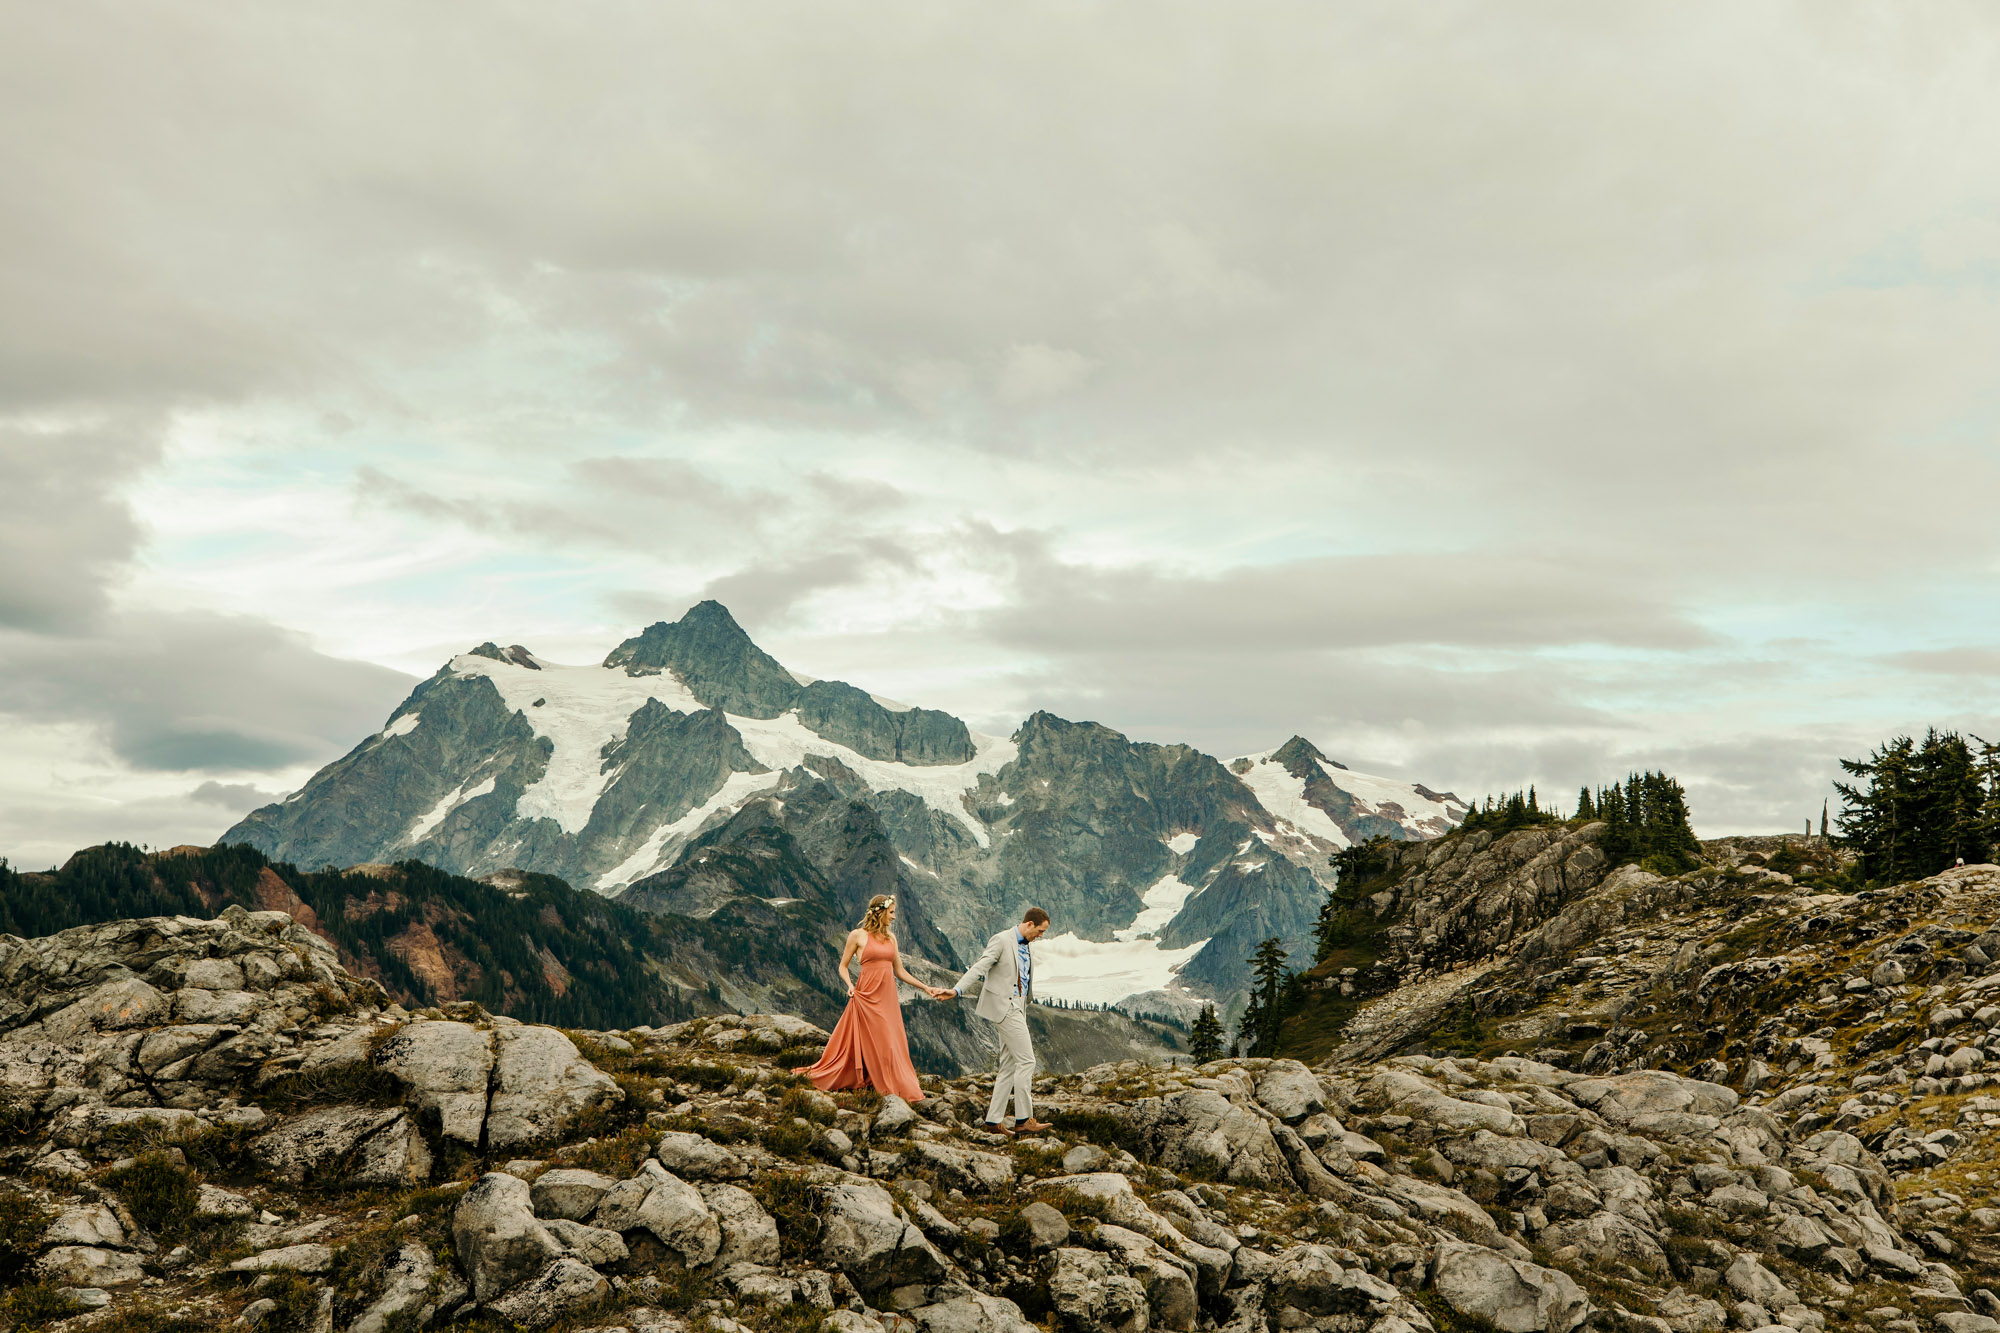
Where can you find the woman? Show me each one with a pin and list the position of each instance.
(868, 1046)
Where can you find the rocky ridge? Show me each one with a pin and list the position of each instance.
(211, 1123)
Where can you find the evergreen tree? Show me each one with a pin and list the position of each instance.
(1268, 969)
(1249, 1028)
(1585, 807)
(1822, 820)
(1920, 807)
(1989, 810)
(1205, 1041)
(1646, 820)
(1521, 810)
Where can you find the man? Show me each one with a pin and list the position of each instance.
(1005, 973)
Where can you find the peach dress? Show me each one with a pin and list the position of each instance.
(869, 1047)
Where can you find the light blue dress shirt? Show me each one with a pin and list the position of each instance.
(1026, 987)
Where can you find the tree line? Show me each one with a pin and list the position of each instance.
(1920, 807)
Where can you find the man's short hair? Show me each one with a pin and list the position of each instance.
(1034, 916)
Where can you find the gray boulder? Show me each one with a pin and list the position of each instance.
(569, 1192)
(88, 1266)
(864, 1235)
(548, 1295)
(973, 1312)
(542, 1084)
(307, 1258)
(446, 1067)
(1513, 1295)
(1201, 1130)
(500, 1242)
(1168, 1280)
(692, 1157)
(893, 1119)
(85, 1224)
(395, 1154)
(1290, 1091)
(405, 1288)
(1758, 1284)
(594, 1245)
(673, 1210)
(1093, 1296)
(1308, 1278)
(320, 1141)
(749, 1234)
(1046, 1227)
(966, 1168)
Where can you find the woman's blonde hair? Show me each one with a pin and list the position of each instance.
(876, 922)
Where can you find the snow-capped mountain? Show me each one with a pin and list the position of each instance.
(1161, 866)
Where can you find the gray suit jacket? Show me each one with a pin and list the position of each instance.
(998, 972)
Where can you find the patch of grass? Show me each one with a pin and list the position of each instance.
(22, 1222)
(1687, 1221)
(789, 1138)
(612, 1118)
(220, 1150)
(325, 1001)
(708, 1077)
(715, 1130)
(617, 1156)
(35, 1306)
(806, 1106)
(1106, 1131)
(298, 1302)
(357, 1084)
(794, 1204)
(862, 1101)
(1447, 1320)
(1076, 1208)
(791, 1317)
(149, 1319)
(162, 1194)
(17, 1123)
(798, 1057)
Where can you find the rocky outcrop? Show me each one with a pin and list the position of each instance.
(352, 1169)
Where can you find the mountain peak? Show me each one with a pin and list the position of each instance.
(714, 658)
(1298, 755)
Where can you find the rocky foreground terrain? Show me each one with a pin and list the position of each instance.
(209, 1124)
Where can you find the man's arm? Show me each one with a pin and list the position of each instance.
(980, 966)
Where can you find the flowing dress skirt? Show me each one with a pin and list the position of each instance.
(869, 1047)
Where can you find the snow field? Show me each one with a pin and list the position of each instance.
(1104, 972)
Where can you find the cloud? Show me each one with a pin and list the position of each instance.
(1968, 661)
(1486, 599)
(65, 537)
(1438, 386)
(239, 797)
(1036, 370)
(198, 692)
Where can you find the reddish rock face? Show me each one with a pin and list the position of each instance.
(274, 895)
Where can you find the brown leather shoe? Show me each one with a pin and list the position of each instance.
(992, 1128)
(1031, 1127)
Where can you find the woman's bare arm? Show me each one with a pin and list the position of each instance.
(904, 973)
(847, 952)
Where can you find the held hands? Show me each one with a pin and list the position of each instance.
(941, 992)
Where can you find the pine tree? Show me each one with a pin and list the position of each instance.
(1920, 808)
(1585, 807)
(1268, 968)
(1205, 1041)
(1249, 1027)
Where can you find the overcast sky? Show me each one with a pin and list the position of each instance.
(1492, 394)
